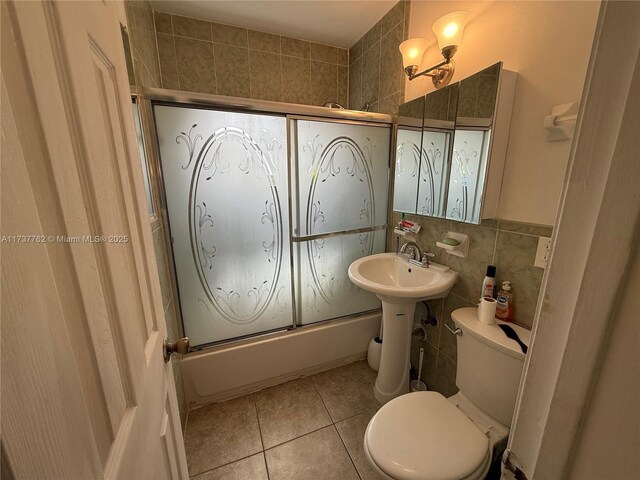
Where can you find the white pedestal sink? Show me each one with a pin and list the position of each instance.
(399, 285)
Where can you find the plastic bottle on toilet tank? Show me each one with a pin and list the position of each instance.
(489, 282)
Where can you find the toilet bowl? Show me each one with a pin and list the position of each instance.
(426, 436)
(423, 435)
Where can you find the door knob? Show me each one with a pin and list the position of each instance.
(181, 346)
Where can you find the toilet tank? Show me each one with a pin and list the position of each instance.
(489, 364)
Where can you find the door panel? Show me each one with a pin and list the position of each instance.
(86, 393)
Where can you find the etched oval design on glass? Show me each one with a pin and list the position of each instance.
(341, 179)
(235, 222)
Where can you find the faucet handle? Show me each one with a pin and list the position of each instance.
(425, 258)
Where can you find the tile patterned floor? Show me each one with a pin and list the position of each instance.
(307, 429)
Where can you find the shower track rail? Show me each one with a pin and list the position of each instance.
(160, 96)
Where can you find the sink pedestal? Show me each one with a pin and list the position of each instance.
(399, 284)
(393, 375)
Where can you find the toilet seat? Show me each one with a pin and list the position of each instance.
(421, 436)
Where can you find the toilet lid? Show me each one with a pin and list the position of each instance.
(423, 435)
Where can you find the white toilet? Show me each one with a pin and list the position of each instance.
(425, 436)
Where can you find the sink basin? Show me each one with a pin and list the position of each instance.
(392, 278)
(399, 284)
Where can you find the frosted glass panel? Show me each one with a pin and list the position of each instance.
(433, 173)
(405, 190)
(225, 177)
(342, 175)
(466, 184)
(323, 288)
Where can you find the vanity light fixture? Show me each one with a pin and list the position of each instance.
(448, 29)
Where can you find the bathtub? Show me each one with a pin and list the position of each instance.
(226, 371)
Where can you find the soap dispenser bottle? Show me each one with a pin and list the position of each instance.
(505, 306)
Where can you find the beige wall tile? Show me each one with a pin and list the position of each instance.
(191, 28)
(168, 61)
(232, 70)
(323, 53)
(279, 70)
(265, 75)
(526, 228)
(393, 17)
(355, 85)
(448, 341)
(371, 37)
(266, 42)
(324, 83)
(389, 105)
(391, 71)
(296, 80)
(196, 70)
(445, 382)
(343, 86)
(514, 258)
(294, 47)
(163, 22)
(472, 269)
(371, 74)
(355, 52)
(343, 56)
(229, 35)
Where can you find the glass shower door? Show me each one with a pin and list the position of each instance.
(341, 182)
(226, 187)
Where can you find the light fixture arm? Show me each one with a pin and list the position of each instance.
(411, 71)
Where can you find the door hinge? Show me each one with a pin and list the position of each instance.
(511, 463)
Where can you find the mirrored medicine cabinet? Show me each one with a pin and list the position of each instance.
(451, 146)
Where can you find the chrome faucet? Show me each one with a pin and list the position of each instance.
(416, 257)
(416, 253)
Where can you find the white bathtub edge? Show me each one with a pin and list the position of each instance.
(228, 371)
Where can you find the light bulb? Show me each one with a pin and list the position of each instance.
(412, 51)
(449, 29)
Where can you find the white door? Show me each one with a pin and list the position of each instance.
(85, 391)
(568, 422)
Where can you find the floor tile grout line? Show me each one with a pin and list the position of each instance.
(264, 450)
(298, 437)
(255, 405)
(264, 456)
(347, 450)
(323, 402)
(266, 465)
(225, 464)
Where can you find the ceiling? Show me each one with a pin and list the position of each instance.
(337, 23)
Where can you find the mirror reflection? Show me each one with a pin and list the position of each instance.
(408, 153)
(438, 129)
(443, 158)
(474, 120)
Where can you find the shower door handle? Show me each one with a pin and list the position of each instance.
(181, 346)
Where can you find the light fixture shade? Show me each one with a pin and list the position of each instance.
(412, 51)
(449, 28)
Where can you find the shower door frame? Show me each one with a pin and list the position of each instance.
(290, 112)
